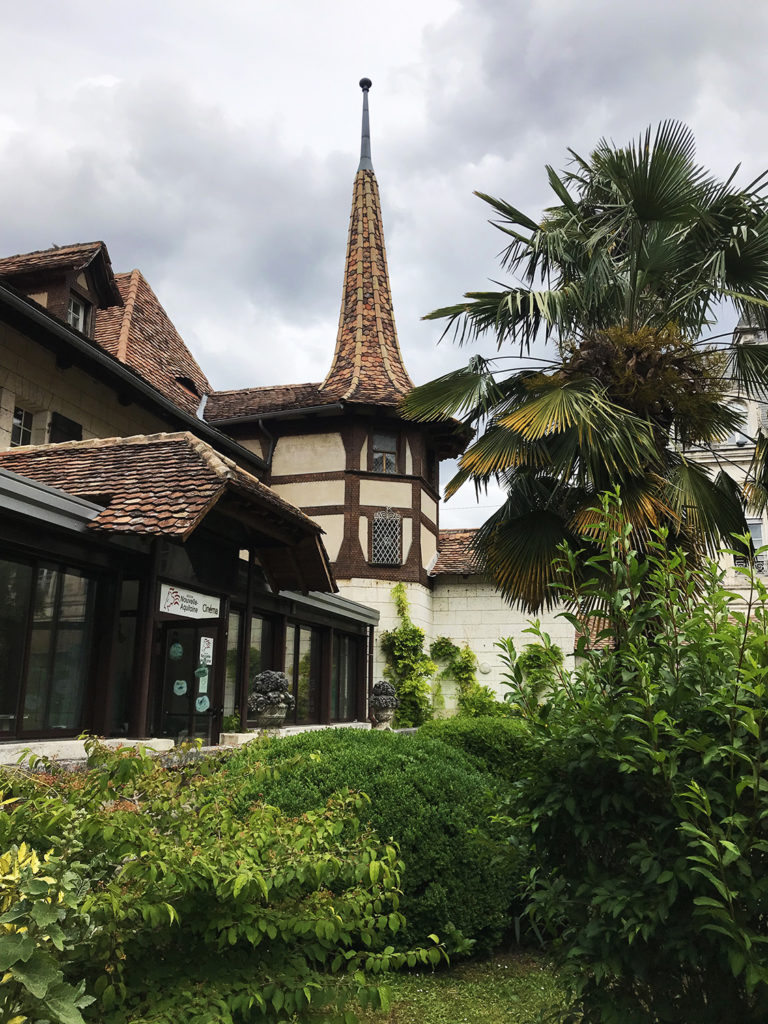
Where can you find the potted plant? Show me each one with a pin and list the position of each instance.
(269, 700)
(383, 705)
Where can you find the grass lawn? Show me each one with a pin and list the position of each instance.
(509, 988)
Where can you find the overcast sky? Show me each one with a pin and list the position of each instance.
(213, 145)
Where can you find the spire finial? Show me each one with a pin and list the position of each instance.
(365, 142)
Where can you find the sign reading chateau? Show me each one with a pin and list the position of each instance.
(188, 603)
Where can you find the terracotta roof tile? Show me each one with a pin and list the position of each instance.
(367, 364)
(248, 402)
(155, 484)
(65, 257)
(455, 554)
(141, 335)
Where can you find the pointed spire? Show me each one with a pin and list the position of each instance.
(365, 141)
(367, 364)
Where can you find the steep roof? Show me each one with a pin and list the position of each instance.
(367, 364)
(165, 485)
(140, 334)
(455, 554)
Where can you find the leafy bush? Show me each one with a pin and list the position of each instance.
(200, 908)
(643, 813)
(434, 801)
(529, 674)
(460, 664)
(502, 746)
(407, 665)
(38, 907)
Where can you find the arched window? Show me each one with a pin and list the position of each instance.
(387, 531)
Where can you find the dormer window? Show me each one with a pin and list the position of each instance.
(384, 453)
(77, 312)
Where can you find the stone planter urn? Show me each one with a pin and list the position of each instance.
(270, 700)
(383, 705)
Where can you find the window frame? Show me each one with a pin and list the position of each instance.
(387, 515)
(78, 320)
(25, 426)
(396, 453)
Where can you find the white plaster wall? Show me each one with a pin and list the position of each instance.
(362, 532)
(428, 546)
(385, 493)
(312, 492)
(30, 378)
(364, 455)
(334, 533)
(408, 458)
(407, 538)
(429, 507)
(308, 453)
(470, 611)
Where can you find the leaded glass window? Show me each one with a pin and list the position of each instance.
(387, 531)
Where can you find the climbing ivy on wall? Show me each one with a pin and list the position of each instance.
(460, 664)
(408, 666)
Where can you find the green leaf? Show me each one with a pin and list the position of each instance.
(15, 947)
(38, 973)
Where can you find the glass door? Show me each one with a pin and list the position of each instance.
(188, 681)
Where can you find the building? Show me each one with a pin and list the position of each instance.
(146, 571)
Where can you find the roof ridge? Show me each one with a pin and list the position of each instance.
(263, 387)
(104, 442)
(125, 326)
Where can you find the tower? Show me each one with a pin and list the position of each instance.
(342, 450)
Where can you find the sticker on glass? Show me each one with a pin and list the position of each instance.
(202, 703)
(206, 650)
(180, 687)
(175, 651)
(202, 679)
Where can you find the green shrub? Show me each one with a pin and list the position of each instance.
(481, 702)
(196, 908)
(643, 813)
(502, 745)
(434, 801)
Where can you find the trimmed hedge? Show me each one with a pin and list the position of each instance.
(502, 746)
(434, 800)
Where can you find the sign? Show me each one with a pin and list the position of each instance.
(188, 603)
(206, 650)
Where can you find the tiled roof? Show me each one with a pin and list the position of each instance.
(367, 364)
(65, 257)
(248, 402)
(455, 556)
(155, 484)
(141, 335)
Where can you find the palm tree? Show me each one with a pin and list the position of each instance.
(623, 278)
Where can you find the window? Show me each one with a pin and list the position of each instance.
(344, 678)
(21, 431)
(384, 449)
(738, 435)
(385, 546)
(64, 429)
(77, 313)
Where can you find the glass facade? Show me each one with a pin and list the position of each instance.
(46, 627)
(344, 678)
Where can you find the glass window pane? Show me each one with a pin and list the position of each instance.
(59, 651)
(756, 532)
(233, 648)
(15, 594)
(306, 691)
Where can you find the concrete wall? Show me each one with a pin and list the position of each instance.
(30, 378)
